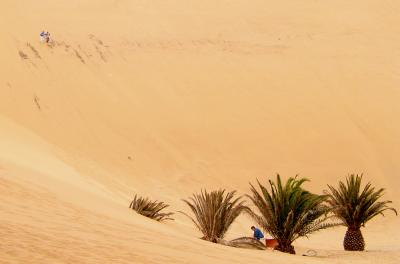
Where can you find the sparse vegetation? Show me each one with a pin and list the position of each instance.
(285, 210)
(214, 212)
(150, 209)
(288, 211)
(355, 208)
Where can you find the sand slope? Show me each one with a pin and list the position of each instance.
(163, 98)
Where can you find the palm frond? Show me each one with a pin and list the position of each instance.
(287, 211)
(214, 212)
(150, 209)
(356, 206)
(243, 242)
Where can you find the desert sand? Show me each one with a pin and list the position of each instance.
(165, 97)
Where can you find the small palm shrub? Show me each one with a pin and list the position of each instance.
(288, 211)
(150, 209)
(355, 206)
(214, 212)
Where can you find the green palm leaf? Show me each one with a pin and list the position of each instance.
(355, 207)
(288, 212)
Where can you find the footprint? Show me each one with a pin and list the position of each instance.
(79, 56)
(23, 55)
(36, 100)
(37, 55)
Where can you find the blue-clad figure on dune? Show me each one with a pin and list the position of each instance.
(257, 233)
(45, 36)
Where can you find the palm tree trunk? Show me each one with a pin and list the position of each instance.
(353, 240)
(285, 247)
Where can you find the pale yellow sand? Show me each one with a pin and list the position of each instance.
(163, 98)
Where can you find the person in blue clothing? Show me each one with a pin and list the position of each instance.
(45, 36)
(42, 36)
(257, 233)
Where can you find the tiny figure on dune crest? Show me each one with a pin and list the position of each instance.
(257, 233)
(42, 34)
(45, 36)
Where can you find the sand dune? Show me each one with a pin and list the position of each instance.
(162, 98)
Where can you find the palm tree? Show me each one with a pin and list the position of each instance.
(355, 208)
(214, 212)
(150, 209)
(289, 212)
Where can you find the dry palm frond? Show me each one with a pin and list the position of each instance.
(248, 242)
(214, 212)
(151, 209)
